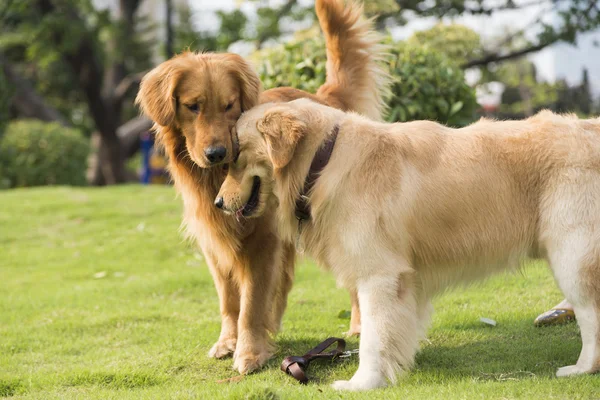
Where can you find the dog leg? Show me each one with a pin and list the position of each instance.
(229, 304)
(583, 291)
(589, 359)
(285, 285)
(389, 339)
(576, 266)
(254, 345)
(354, 316)
(570, 228)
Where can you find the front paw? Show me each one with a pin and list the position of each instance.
(346, 385)
(360, 383)
(353, 331)
(354, 386)
(249, 361)
(222, 348)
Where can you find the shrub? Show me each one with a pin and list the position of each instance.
(456, 41)
(34, 153)
(427, 85)
(299, 64)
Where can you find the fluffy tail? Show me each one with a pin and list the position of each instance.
(356, 79)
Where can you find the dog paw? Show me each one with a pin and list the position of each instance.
(222, 348)
(361, 382)
(246, 363)
(354, 385)
(569, 370)
(350, 386)
(353, 331)
(342, 385)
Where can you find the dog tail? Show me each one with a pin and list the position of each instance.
(356, 78)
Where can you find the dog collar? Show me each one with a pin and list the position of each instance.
(319, 162)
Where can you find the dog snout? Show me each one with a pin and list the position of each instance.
(215, 154)
(219, 202)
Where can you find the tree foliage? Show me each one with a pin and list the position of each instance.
(67, 58)
(525, 94)
(457, 42)
(569, 18)
(81, 60)
(430, 86)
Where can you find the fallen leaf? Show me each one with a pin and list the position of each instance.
(100, 275)
(488, 321)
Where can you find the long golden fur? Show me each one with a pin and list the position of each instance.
(195, 100)
(404, 211)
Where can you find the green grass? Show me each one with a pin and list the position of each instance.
(101, 298)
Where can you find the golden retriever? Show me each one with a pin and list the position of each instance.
(195, 101)
(403, 211)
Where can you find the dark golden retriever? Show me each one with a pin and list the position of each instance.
(195, 101)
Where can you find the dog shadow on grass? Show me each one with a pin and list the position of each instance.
(514, 350)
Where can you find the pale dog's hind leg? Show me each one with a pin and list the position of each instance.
(571, 230)
(589, 359)
(576, 266)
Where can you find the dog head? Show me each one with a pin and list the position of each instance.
(268, 137)
(201, 96)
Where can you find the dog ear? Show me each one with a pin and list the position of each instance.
(250, 85)
(282, 130)
(157, 88)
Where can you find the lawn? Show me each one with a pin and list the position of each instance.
(101, 298)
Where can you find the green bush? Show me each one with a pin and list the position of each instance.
(299, 64)
(34, 153)
(427, 85)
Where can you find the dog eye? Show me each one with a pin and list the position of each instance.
(229, 106)
(193, 107)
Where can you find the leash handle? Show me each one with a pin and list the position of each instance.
(296, 366)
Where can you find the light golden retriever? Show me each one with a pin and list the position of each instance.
(195, 101)
(403, 211)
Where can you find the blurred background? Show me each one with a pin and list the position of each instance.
(70, 69)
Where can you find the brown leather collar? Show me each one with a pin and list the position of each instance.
(319, 162)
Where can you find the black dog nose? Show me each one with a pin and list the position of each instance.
(215, 154)
(219, 202)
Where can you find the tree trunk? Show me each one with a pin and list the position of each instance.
(169, 28)
(129, 134)
(524, 91)
(111, 159)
